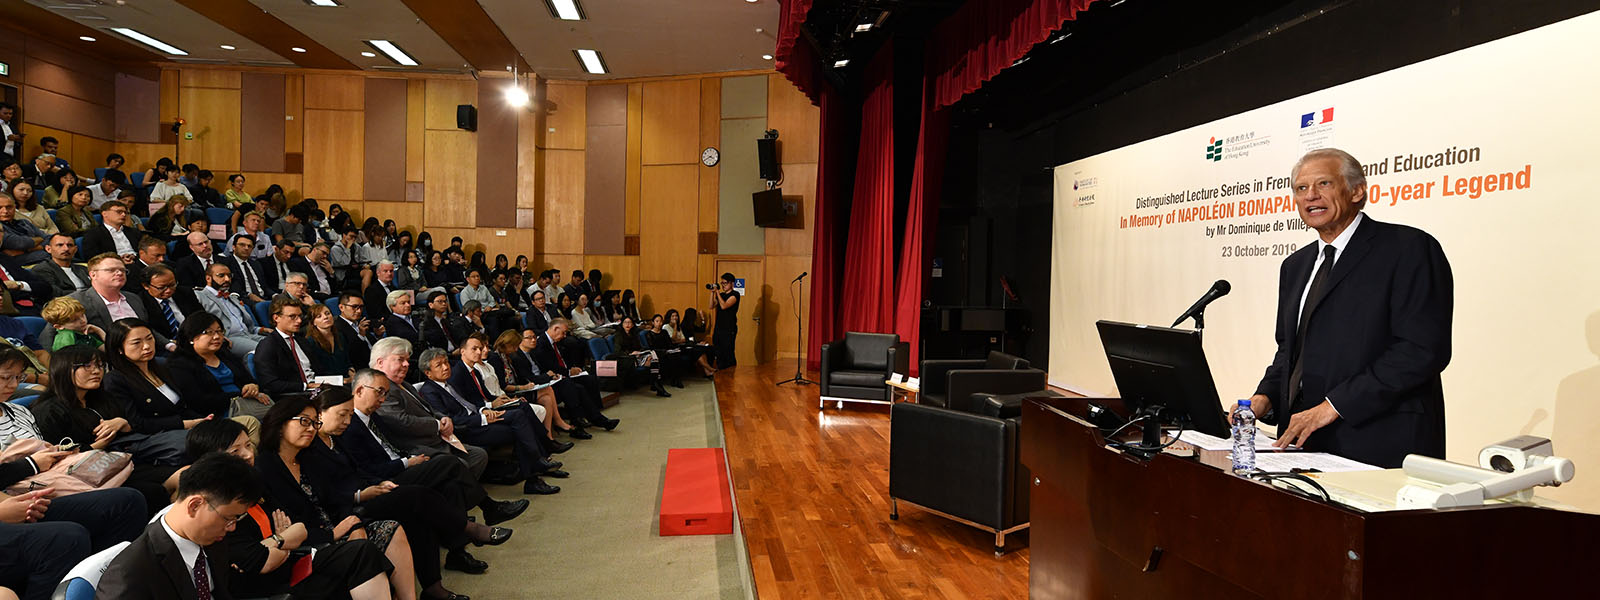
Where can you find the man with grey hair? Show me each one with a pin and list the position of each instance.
(413, 426)
(298, 288)
(381, 286)
(1363, 327)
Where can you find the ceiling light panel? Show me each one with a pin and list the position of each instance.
(322, 2)
(592, 63)
(566, 10)
(393, 52)
(150, 41)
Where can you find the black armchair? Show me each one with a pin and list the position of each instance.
(948, 383)
(855, 368)
(961, 465)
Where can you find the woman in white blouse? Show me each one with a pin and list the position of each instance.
(167, 188)
(587, 322)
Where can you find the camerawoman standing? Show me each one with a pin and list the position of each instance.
(725, 303)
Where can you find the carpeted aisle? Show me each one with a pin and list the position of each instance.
(598, 537)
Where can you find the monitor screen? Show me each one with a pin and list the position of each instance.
(1160, 366)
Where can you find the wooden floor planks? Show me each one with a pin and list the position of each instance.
(812, 490)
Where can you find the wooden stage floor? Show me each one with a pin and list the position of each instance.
(812, 490)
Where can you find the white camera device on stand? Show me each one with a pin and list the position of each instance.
(1509, 470)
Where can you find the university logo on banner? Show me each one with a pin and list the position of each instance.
(1214, 150)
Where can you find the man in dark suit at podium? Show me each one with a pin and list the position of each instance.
(1363, 327)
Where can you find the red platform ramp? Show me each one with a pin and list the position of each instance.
(695, 498)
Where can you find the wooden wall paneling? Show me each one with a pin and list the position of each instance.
(262, 126)
(53, 109)
(416, 101)
(799, 181)
(527, 163)
(294, 108)
(710, 137)
(450, 182)
(669, 210)
(384, 128)
(210, 78)
(256, 183)
(29, 147)
(658, 296)
(528, 218)
(706, 268)
(617, 272)
(737, 232)
(671, 122)
(213, 119)
(563, 206)
(566, 119)
(563, 262)
(497, 157)
(335, 140)
(142, 157)
(408, 216)
(605, 167)
(89, 152)
(797, 121)
(441, 98)
(779, 319)
(137, 109)
(169, 96)
(632, 189)
(338, 92)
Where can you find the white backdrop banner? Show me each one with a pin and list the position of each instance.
(1492, 149)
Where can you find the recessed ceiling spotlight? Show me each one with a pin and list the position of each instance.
(136, 36)
(863, 28)
(516, 96)
(841, 63)
(759, 30)
(298, 49)
(566, 10)
(85, 38)
(766, 57)
(591, 61)
(368, 54)
(751, 1)
(227, 47)
(393, 52)
(322, 2)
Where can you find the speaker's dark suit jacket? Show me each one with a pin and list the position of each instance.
(277, 369)
(1374, 347)
(191, 274)
(151, 567)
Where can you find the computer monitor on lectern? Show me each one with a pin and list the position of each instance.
(1163, 368)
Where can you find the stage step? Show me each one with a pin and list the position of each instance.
(695, 499)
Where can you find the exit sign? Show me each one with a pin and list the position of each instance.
(5, 69)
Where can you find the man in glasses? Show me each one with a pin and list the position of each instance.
(356, 329)
(165, 300)
(114, 235)
(104, 301)
(180, 555)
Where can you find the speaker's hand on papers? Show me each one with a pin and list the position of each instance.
(1259, 404)
(1303, 423)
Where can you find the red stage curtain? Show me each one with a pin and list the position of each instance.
(867, 293)
(835, 155)
(793, 57)
(983, 38)
(922, 215)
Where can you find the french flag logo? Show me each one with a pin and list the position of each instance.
(1316, 118)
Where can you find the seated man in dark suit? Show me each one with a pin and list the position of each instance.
(192, 268)
(581, 394)
(114, 235)
(318, 270)
(355, 328)
(539, 317)
(282, 364)
(152, 251)
(367, 443)
(275, 269)
(401, 323)
(1363, 327)
(378, 290)
(440, 327)
(28, 291)
(181, 552)
(486, 426)
(63, 275)
(248, 280)
(107, 300)
(165, 300)
(23, 240)
(413, 426)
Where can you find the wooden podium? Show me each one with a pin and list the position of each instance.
(1107, 525)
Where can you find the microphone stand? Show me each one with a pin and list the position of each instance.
(800, 340)
(1200, 325)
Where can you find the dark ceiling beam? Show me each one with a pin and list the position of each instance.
(468, 29)
(259, 26)
(63, 31)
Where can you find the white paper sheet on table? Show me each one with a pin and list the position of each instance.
(1210, 442)
(1321, 461)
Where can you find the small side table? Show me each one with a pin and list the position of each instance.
(904, 391)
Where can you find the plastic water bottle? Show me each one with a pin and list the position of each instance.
(1244, 438)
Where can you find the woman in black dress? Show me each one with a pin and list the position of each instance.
(725, 303)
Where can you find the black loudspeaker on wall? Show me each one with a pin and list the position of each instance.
(767, 156)
(467, 117)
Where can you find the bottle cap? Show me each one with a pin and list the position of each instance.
(1244, 403)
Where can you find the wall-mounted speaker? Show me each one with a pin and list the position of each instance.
(467, 117)
(767, 156)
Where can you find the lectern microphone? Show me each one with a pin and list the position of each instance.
(1218, 290)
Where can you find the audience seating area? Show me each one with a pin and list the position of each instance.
(249, 317)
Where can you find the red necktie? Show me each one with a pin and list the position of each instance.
(298, 368)
(471, 371)
(559, 360)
